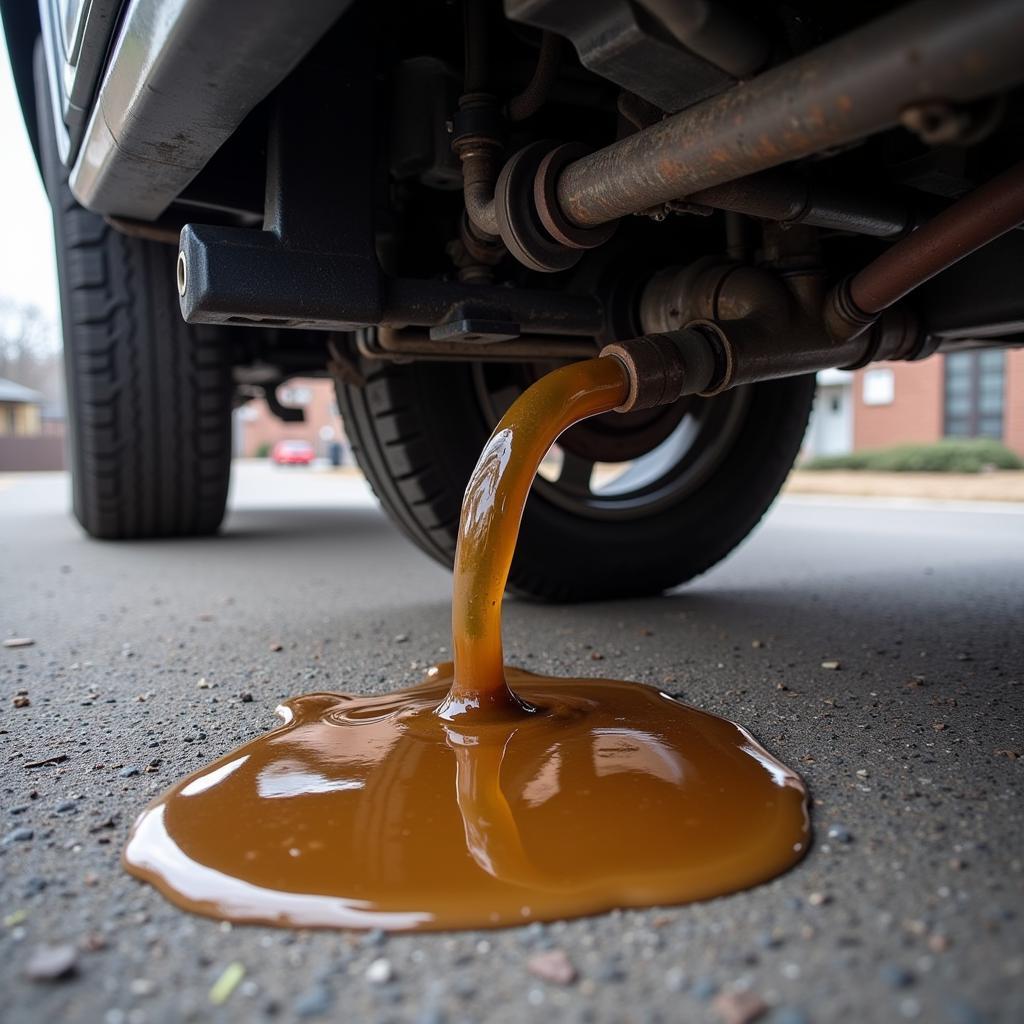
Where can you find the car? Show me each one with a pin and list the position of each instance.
(292, 453)
(435, 203)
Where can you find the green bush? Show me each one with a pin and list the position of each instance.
(262, 450)
(952, 455)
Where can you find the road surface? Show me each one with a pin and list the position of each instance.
(909, 905)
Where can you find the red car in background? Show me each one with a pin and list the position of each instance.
(292, 453)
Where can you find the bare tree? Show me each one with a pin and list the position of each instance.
(29, 349)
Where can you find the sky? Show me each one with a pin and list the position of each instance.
(27, 272)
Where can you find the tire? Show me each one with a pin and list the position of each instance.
(148, 398)
(418, 428)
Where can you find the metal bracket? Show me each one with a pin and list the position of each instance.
(285, 413)
(484, 332)
(317, 249)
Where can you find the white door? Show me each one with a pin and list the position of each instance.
(832, 433)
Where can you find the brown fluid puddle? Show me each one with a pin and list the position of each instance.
(485, 796)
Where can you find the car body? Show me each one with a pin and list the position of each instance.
(435, 203)
(292, 453)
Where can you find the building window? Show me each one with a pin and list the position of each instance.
(974, 394)
(879, 387)
(295, 395)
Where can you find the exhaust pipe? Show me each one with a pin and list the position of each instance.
(860, 84)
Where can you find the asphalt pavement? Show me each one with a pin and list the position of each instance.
(149, 659)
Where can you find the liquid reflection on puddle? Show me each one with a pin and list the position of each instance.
(374, 812)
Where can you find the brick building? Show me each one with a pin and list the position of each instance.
(975, 393)
(257, 429)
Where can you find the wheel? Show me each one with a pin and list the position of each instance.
(625, 505)
(149, 398)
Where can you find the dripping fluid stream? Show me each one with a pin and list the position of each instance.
(486, 795)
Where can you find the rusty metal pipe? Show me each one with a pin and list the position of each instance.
(477, 144)
(537, 90)
(480, 166)
(979, 218)
(846, 90)
(764, 325)
(661, 368)
(786, 197)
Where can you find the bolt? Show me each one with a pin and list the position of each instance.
(936, 123)
(182, 274)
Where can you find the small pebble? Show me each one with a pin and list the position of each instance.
(19, 641)
(610, 970)
(51, 963)
(910, 1008)
(34, 886)
(18, 835)
(380, 972)
(830, 664)
(739, 1007)
(704, 989)
(128, 771)
(675, 979)
(840, 834)
(463, 987)
(552, 965)
(896, 977)
(315, 1002)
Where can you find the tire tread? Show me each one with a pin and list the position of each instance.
(149, 397)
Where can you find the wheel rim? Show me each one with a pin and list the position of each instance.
(674, 463)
